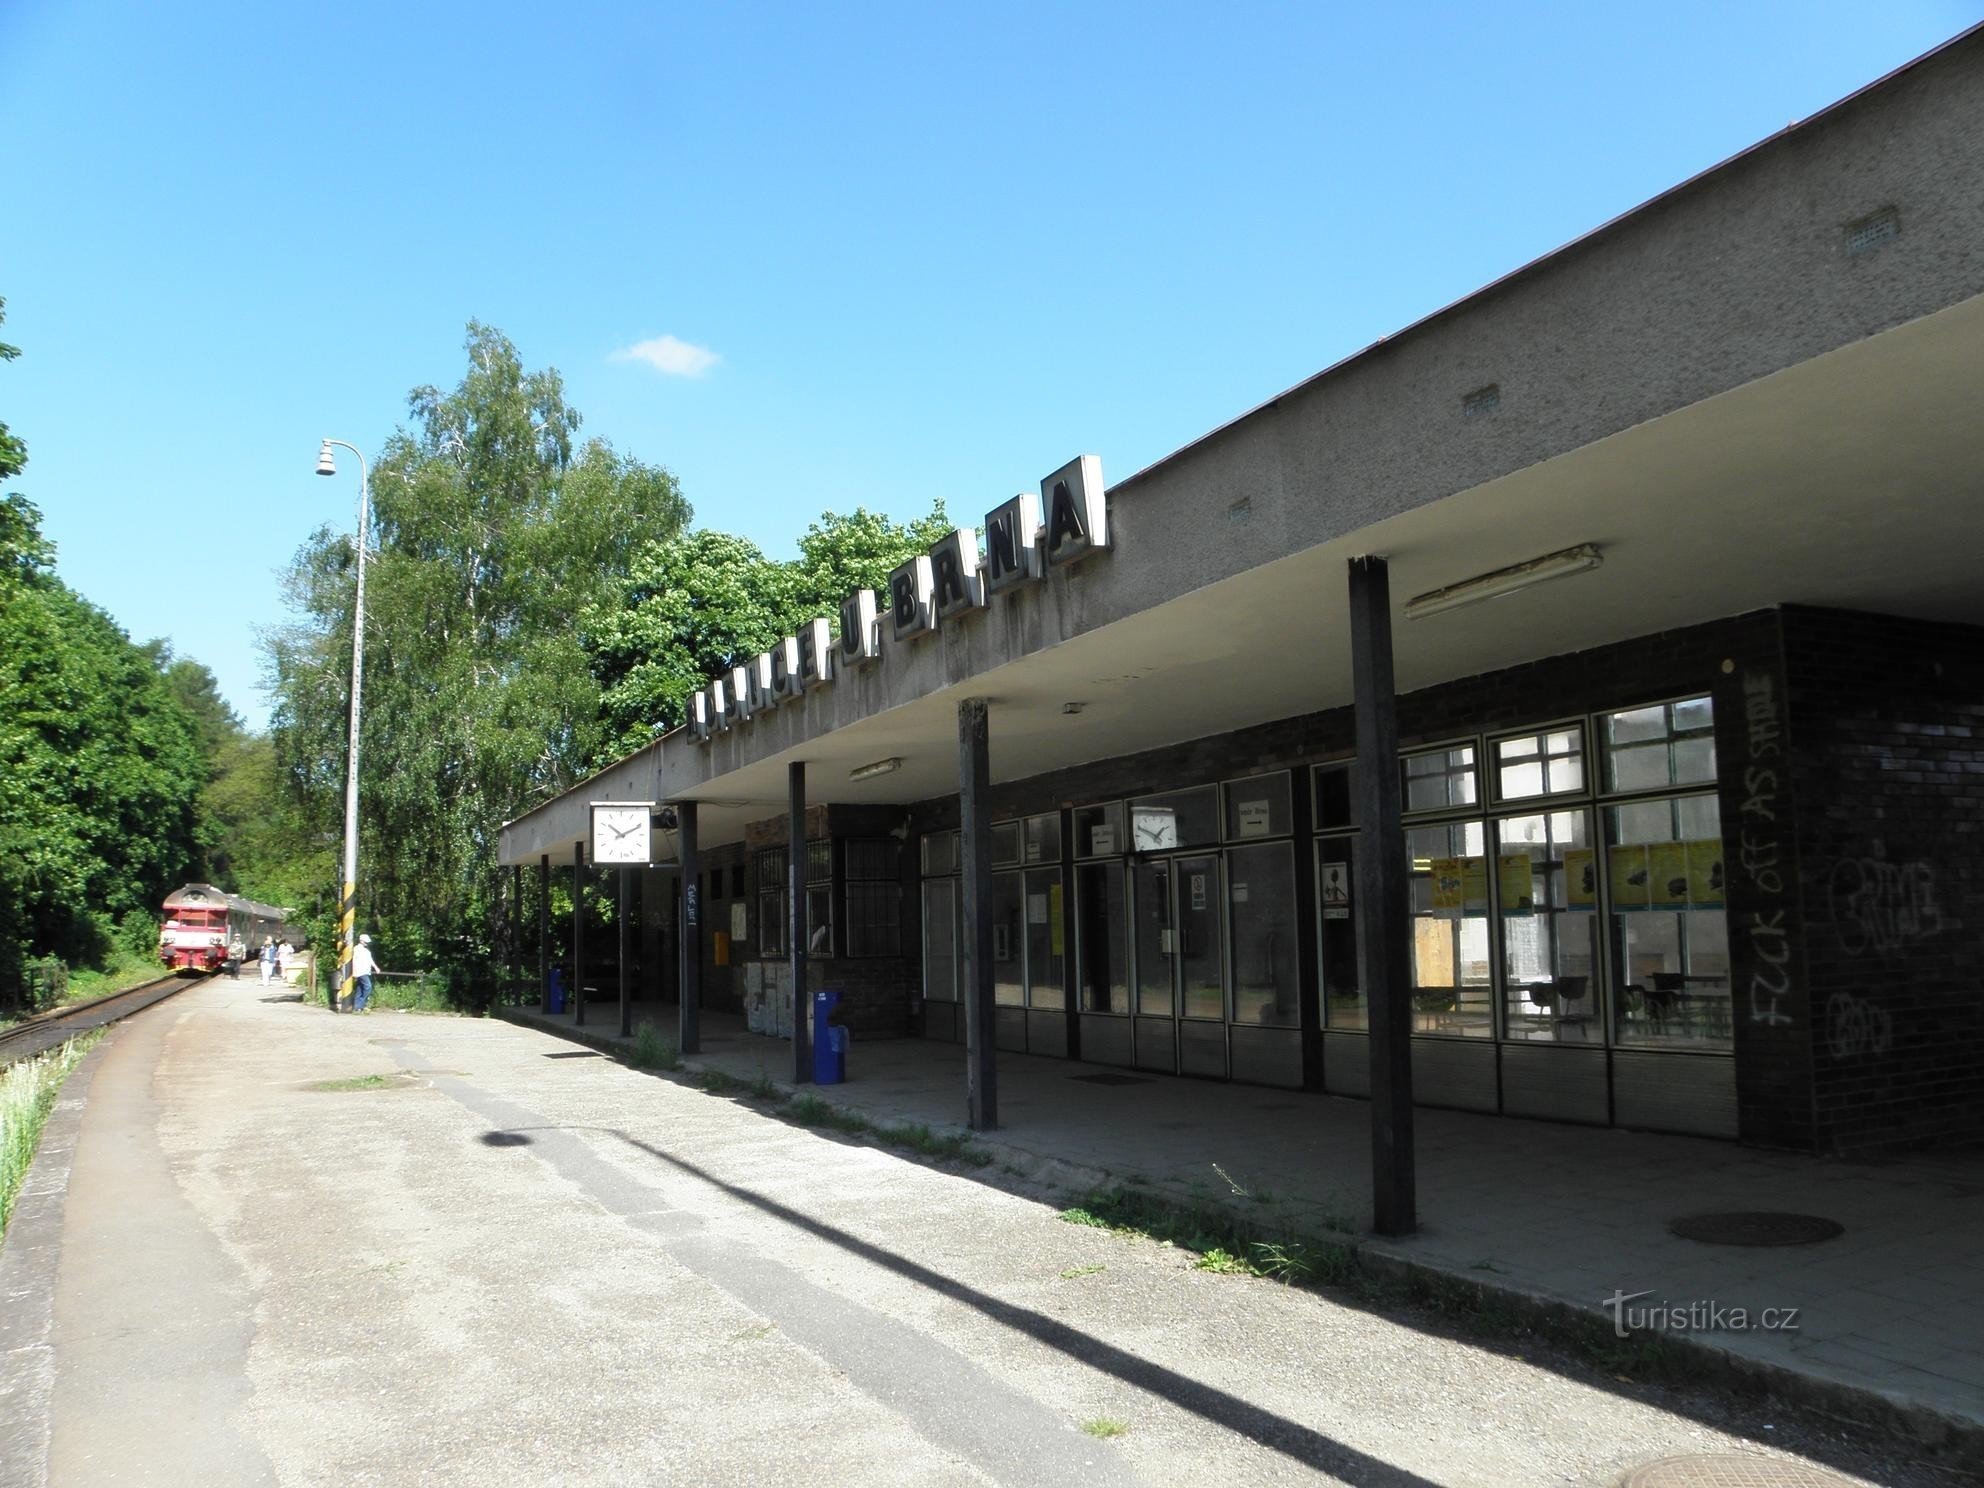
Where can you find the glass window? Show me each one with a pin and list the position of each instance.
(737, 880)
(1152, 881)
(1439, 779)
(1659, 746)
(1451, 973)
(1005, 844)
(819, 920)
(1550, 763)
(1547, 881)
(1260, 895)
(1333, 807)
(1046, 940)
(942, 950)
(1201, 941)
(1008, 940)
(1185, 818)
(940, 853)
(1105, 962)
(1099, 831)
(873, 894)
(1042, 838)
(819, 862)
(770, 870)
(1670, 937)
(1342, 968)
(1258, 807)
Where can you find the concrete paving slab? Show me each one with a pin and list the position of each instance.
(1566, 1213)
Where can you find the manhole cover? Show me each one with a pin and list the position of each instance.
(1110, 1079)
(1732, 1470)
(1756, 1227)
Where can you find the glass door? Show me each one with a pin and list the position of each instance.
(1156, 974)
(1180, 965)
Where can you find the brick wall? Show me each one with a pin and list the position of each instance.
(1888, 759)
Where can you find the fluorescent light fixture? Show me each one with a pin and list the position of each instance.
(877, 767)
(1504, 581)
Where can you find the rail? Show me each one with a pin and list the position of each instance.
(43, 1031)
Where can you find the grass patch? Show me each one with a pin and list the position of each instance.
(426, 993)
(1104, 1427)
(1076, 1273)
(651, 1051)
(1224, 1244)
(810, 1110)
(27, 1094)
(765, 1088)
(716, 1082)
(355, 1082)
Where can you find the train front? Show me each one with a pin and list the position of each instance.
(194, 935)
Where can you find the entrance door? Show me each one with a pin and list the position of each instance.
(1181, 965)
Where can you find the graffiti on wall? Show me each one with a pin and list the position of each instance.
(1758, 851)
(1881, 906)
(1855, 1026)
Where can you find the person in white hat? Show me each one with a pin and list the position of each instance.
(363, 969)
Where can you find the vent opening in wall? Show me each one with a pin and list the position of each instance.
(1865, 234)
(1482, 401)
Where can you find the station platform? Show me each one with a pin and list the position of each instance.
(1890, 1322)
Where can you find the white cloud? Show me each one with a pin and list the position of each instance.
(674, 357)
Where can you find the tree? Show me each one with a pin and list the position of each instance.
(699, 604)
(495, 529)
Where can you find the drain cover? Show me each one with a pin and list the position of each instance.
(1732, 1470)
(1110, 1079)
(1756, 1227)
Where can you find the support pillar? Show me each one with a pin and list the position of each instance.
(626, 940)
(795, 894)
(1383, 915)
(578, 989)
(689, 940)
(981, 1079)
(544, 932)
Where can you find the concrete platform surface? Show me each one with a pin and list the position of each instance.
(272, 1245)
(1892, 1310)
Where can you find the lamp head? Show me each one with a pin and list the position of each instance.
(326, 465)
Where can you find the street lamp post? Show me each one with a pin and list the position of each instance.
(348, 900)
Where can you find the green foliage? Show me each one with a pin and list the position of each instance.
(651, 1051)
(27, 1094)
(696, 605)
(1224, 1243)
(1104, 1427)
(494, 528)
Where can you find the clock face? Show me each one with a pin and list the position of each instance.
(620, 834)
(1154, 831)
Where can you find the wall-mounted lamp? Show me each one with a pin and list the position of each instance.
(1502, 581)
(877, 767)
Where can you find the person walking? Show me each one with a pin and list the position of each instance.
(268, 958)
(285, 960)
(363, 969)
(237, 952)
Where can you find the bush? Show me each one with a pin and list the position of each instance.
(44, 983)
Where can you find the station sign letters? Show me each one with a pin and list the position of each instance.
(1024, 538)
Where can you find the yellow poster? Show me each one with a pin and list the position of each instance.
(1517, 883)
(1446, 884)
(1054, 919)
(1667, 874)
(1630, 885)
(1705, 874)
(1580, 877)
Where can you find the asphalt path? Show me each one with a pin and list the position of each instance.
(298, 1248)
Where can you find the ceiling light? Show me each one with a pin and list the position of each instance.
(877, 767)
(1504, 581)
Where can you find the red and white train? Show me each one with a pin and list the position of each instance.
(201, 922)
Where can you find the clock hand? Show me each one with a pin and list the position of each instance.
(621, 831)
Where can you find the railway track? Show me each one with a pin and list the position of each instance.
(44, 1031)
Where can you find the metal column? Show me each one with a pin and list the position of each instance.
(1383, 915)
(544, 932)
(689, 939)
(626, 937)
(795, 881)
(578, 988)
(981, 1080)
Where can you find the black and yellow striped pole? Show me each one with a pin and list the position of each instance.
(348, 900)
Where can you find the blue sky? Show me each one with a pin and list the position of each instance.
(889, 252)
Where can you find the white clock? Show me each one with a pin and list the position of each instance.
(620, 831)
(1154, 829)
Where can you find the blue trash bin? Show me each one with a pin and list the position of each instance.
(829, 1043)
(554, 1001)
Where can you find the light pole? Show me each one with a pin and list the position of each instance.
(348, 900)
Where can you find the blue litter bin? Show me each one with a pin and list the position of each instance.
(554, 1001)
(829, 1043)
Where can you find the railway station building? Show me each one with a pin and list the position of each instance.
(1636, 599)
